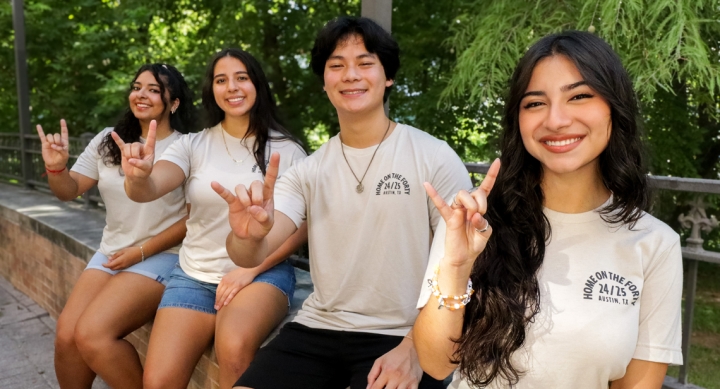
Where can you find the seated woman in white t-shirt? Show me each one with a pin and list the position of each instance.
(208, 295)
(121, 286)
(576, 286)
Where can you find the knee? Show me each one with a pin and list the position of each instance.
(154, 379)
(88, 338)
(239, 350)
(64, 335)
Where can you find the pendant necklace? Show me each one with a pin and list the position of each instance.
(359, 188)
(228, 150)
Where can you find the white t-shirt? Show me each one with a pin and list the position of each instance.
(129, 223)
(369, 250)
(607, 295)
(203, 158)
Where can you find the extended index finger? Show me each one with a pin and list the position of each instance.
(150, 141)
(440, 204)
(487, 184)
(41, 134)
(64, 132)
(271, 176)
(118, 141)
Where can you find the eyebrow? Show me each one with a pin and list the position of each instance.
(137, 82)
(223, 74)
(564, 88)
(361, 56)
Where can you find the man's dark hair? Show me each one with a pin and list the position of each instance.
(377, 41)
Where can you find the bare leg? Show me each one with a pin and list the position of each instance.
(127, 301)
(243, 325)
(178, 339)
(70, 368)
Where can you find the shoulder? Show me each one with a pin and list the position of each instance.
(286, 145)
(418, 135)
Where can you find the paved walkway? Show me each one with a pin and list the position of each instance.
(27, 334)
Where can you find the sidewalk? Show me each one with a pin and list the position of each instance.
(27, 336)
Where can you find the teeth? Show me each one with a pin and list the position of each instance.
(236, 99)
(561, 142)
(143, 106)
(355, 92)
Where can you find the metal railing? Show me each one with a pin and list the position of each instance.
(11, 159)
(695, 221)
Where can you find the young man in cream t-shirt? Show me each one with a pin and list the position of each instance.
(370, 227)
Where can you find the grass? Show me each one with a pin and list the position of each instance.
(705, 343)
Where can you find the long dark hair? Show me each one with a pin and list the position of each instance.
(128, 126)
(263, 114)
(508, 298)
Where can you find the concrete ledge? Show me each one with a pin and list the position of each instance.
(45, 245)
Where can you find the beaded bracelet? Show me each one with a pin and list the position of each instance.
(460, 301)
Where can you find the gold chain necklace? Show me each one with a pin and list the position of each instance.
(359, 188)
(228, 150)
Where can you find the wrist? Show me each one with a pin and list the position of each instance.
(55, 169)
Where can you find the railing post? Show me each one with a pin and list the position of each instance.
(697, 220)
(23, 87)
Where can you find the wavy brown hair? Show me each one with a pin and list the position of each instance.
(508, 298)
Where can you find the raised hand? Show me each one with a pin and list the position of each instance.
(467, 230)
(138, 158)
(55, 147)
(251, 210)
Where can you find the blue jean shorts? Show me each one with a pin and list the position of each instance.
(183, 291)
(158, 267)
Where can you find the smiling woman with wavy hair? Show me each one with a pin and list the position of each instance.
(575, 285)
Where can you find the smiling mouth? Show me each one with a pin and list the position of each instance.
(236, 99)
(560, 143)
(353, 92)
(142, 105)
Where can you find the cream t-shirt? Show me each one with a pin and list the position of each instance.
(129, 223)
(203, 158)
(369, 250)
(607, 295)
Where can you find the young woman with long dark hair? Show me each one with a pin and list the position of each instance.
(576, 286)
(121, 287)
(207, 294)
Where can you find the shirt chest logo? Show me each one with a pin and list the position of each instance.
(392, 184)
(611, 288)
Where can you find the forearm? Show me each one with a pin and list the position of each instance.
(141, 190)
(245, 252)
(291, 245)
(435, 328)
(63, 185)
(170, 237)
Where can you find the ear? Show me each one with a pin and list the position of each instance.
(389, 83)
(175, 105)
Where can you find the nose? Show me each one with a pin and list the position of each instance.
(351, 73)
(557, 117)
(232, 85)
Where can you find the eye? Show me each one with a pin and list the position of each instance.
(582, 96)
(367, 64)
(242, 78)
(134, 88)
(335, 66)
(155, 90)
(219, 80)
(532, 104)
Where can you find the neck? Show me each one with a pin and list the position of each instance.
(576, 192)
(236, 127)
(364, 130)
(162, 130)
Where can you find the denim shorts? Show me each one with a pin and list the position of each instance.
(158, 267)
(183, 291)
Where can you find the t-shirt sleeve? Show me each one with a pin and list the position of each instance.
(179, 153)
(87, 162)
(289, 196)
(659, 335)
(437, 252)
(450, 176)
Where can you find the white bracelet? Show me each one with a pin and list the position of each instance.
(460, 301)
(142, 254)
